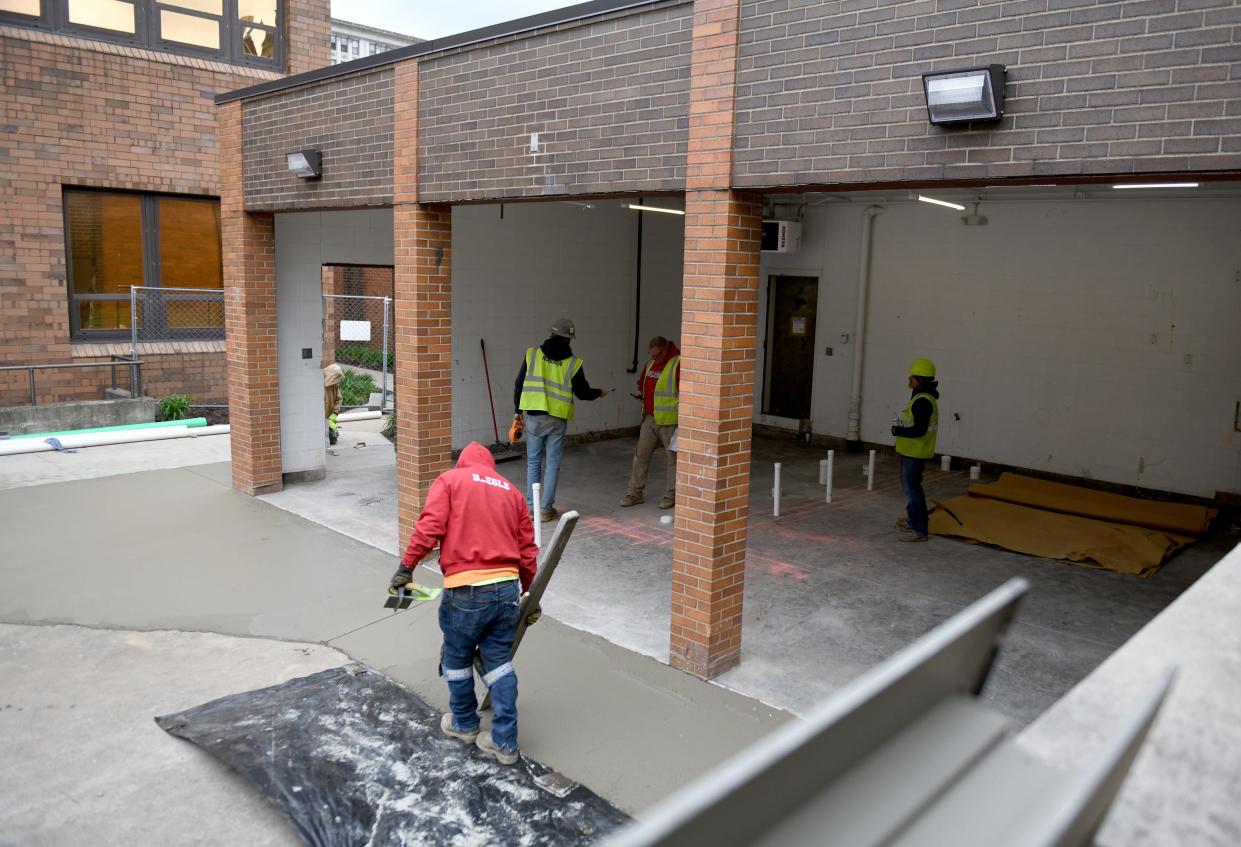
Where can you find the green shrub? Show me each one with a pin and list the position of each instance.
(356, 388)
(389, 430)
(364, 357)
(174, 407)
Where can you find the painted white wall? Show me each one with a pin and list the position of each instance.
(305, 241)
(513, 275)
(1095, 338)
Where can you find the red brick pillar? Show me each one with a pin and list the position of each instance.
(423, 316)
(719, 335)
(249, 253)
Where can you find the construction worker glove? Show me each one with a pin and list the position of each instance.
(533, 617)
(400, 579)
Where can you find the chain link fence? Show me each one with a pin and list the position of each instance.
(357, 335)
(175, 314)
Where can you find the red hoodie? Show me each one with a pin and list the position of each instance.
(479, 519)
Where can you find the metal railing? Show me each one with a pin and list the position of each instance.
(132, 363)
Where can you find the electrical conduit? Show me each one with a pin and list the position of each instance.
(854, 440)
(73, 442)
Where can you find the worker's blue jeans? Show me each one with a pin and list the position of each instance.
(544, 438)
(911, 484)
(482, 618)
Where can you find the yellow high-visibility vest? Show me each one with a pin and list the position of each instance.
(666, 400)
(922, 447)
(548, 386)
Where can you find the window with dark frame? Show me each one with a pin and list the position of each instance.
(116, 239)
(246, 32)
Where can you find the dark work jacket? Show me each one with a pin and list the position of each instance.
(921, 411)
(556, 349)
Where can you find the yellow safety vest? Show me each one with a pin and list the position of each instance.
(666, 400)
(548, 386)
(922, 447)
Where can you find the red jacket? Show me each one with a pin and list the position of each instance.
(479, 519)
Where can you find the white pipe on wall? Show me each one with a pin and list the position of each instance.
(859, 326)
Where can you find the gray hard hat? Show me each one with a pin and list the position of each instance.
(564, 328)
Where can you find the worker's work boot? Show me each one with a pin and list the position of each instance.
(667, 503)
(902, 522)
(910, 535)
(549, 514)
(488, 745)
(632, 500)
(449, 728)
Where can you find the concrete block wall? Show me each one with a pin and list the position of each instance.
(608, 97)
(513, 276)
(831, 92)
(348, 119)
(305, 241)
(1093, 338)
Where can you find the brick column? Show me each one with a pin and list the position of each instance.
(719, 336)
(249, 253)
(422, 238)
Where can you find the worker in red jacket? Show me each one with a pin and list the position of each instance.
(488, 556)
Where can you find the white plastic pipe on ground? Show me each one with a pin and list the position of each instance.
(103, 439)
(870, 472)
(345, 417)
(536, 493)
(775, 492)
(831, 460)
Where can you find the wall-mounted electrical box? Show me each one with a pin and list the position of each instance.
(781, 236)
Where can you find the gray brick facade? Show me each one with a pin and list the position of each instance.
(832, 93)
(609, 99)
(349, 119)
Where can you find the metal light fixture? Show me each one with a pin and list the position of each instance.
(975, 94)
(307, 164)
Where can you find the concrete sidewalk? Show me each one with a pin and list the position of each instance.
(179, 550)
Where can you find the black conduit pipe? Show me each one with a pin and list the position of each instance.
(637, 309)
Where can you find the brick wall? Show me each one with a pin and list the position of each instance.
(87, 113)
(831, 92)
(348, 119)
(607, 97)
(307, 35)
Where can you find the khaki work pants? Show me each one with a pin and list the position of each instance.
(650, 436)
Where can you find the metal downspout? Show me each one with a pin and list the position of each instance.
(854, 441)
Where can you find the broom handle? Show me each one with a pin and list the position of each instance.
(487, 372)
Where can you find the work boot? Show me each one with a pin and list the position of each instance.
(632, 500)
(550, 514)
(488, 745)
(449, 728)
(667, 503)
(910, 535)
(902, 522)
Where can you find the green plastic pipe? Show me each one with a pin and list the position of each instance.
(190, 422)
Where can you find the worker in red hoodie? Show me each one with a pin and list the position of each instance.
(660, 384)
(488, 556)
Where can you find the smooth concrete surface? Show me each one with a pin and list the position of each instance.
(179, 550)
(78, 414)
(90, 462)
(829, 590)
(1186, 782)
(84, 762)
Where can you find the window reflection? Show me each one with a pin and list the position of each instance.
(102, 14)
(256, 41)
(188, 29)
(257, 11)
(21, 7)
(189, 243)
(105, 241)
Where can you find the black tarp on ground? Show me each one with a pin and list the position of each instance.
(351, 758)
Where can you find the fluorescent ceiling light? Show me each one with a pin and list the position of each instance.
(1157, 185)
(639, 208)
(926, 199)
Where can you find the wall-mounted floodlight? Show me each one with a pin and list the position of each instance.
(954, 97)
(1157, 185)
(637, 207)
(307, 164)
(944, 203)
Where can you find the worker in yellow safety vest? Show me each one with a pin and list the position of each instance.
(915, 433)
(547, 383)
(660, 386)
